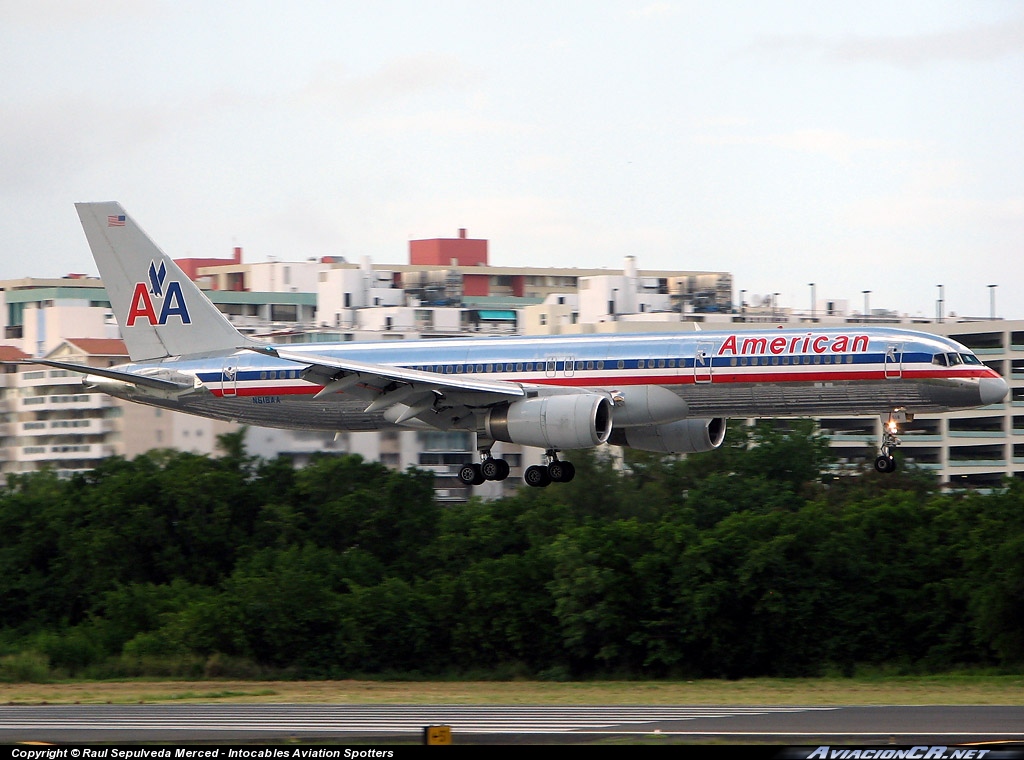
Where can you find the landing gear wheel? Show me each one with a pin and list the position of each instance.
(494, 469)
(885, 463)
(471, 474)
(537, 476)
(561, 472)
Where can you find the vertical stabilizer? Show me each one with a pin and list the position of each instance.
(161, 312)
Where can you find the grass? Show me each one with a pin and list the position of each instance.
(930, 690)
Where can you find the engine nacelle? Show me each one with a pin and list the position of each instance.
(646, 405)
(681, 437)
(567, 421)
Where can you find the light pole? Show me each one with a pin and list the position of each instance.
(940, 304)
(866, 312)
(992, 301)
(813, 303)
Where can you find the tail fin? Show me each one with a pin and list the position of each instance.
(161, 311)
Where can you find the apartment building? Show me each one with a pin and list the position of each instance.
(448, 289)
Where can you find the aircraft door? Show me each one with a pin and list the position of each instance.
(702, 369)
(229, 377)
(894, 361)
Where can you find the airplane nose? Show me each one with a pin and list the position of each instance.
(992, 390)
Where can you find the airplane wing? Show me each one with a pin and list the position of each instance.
(144, 381)
(416, 391)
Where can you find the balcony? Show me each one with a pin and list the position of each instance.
(35, 378)
(66, 401)
(62, 452)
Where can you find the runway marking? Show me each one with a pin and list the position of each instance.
(359, 718)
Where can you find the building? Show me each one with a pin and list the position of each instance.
(448, 289)
(978, 447)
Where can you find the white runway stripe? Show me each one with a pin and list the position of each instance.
(356, 718)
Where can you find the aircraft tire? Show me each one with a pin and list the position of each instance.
(495, 469)
(537, 476)
(471, 474)
(561, 472)
(885, 464)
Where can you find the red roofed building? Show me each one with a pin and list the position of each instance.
(442, 252)
(191, 266)
(11, 354)
(67, 426)
(101, 348)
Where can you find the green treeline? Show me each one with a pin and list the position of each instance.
(742, 562)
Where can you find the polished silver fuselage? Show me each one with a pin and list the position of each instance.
(733, 374)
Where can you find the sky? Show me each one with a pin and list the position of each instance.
(871, 146)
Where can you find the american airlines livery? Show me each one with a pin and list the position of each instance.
(658, 392)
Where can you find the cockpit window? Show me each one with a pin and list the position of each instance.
(952, 359)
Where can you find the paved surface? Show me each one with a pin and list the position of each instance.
(510, 724)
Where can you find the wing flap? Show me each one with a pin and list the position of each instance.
(338, 372)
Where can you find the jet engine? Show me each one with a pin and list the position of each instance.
(681, 437)
(566, 421)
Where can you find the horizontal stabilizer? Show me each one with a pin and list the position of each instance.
(144, 381)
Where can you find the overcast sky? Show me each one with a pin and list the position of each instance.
(861, 146)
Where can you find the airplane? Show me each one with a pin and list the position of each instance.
(668, 393)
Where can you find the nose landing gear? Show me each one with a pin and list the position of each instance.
(885, 462)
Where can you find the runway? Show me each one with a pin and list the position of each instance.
(237, 723)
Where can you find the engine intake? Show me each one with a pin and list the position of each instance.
(681, 437)
(568, 421)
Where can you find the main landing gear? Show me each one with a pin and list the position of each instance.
(556, 471)
(885, 462)
(474, 474)
(538, 476)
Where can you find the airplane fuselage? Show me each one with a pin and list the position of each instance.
(731, 374)
(668, 393)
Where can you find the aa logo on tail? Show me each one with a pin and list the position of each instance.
(167, 295)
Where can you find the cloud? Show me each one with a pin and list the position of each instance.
(978, 43)
(655, 10)
(839, 146)
(399, 78)
(910, 210)
(52, 139)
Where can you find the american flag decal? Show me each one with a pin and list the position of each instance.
(115, 220)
